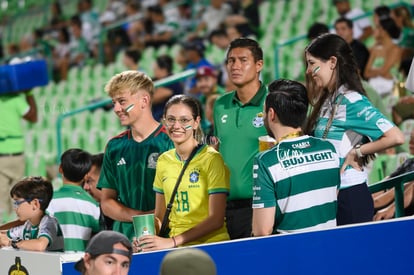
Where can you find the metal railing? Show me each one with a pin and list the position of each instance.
(398, 184)
(93, 106)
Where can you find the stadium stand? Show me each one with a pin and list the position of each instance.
(281, 21)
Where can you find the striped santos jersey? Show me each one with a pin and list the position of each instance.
(48, 228)
(78, 215)
(205, 175)
(299, 177)
(355, 118)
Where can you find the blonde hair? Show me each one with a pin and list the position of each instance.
(133, 81)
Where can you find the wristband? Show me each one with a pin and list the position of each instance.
(14, 243)
(358, 151)
(175, 244)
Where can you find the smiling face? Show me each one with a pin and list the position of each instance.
(180, 123)
(129, 107)
(242, 68)
(321, 72)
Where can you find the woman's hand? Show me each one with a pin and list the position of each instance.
(152, 243)
(352, 160)
(385, 214)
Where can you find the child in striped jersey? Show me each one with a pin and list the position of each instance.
(77, 212)
(40, 232)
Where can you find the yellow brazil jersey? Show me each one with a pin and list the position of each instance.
(205, 175)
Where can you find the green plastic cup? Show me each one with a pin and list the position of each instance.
(144, 225)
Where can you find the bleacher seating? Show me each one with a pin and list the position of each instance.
(281, 20)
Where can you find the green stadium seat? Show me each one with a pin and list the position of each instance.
(65, 141)
(99, 70)
(35, 164)
(164, 49)
(94, 141)
(174, 49)
(280, 21)
(73, 74)
(407, 126)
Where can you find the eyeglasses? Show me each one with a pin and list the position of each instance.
(16, 204)
(170, 121)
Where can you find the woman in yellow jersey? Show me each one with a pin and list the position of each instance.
(197, 214)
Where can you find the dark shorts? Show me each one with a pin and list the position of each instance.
(355, 205)
(239, 215)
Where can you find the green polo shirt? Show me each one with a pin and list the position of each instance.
(12, 109)
(238, 127)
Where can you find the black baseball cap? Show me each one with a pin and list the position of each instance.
(196, 45)
(103, 243)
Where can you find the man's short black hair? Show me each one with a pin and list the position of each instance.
(134, 54)
(97, 160)
(217, 32)
(289, 100)
(247, 43)
(345, 20)
(317, 29)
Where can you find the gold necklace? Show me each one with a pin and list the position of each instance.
(290, 135)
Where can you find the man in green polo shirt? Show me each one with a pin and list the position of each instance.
(238, 123)
(13, 107)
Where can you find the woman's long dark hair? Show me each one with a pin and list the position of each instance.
(346, 73)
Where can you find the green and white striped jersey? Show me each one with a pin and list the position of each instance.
(299, 177)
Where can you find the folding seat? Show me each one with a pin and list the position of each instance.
(407, 126)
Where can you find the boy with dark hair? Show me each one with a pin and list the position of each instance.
(77, 212)
(40, 232)
(92, 177)
(91, 181)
